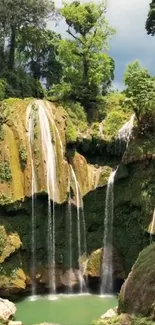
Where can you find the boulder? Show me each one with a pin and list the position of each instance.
(7, 309)
(17, 322)
(110, 313)
(94, 264)
(137, 294)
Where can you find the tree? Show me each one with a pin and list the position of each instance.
(140, 90)
(37, 51)
(150, 22)
(16, 15)
(87, 68)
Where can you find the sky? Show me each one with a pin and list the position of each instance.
(131, 41)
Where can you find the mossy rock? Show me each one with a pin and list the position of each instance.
(94, 264)
(9, 241)
(12, 276)
(140, 148)
(104, 176)
(125, 319)
(138, 292)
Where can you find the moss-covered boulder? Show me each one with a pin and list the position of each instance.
(94, 264)
(9, 241)
(138, 292)
(12, 276)
(124, 319)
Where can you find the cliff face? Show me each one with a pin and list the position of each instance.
(92, 157)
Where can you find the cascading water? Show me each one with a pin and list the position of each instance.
(79, 205)
(152, 226)
(30, 130)
(107, 258)
(70, 240)
(124, 134)
(51, 118)
(49, 154)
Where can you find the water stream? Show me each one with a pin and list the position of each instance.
(70, 240)
(124, 134)
(107, 258)
(79, 206)
(49, 154)
(30, 130)
(152, 226)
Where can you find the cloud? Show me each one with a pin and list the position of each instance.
(131, 41)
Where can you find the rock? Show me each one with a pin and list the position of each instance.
(7, 309)
(48, 324)
(93, 268)
(12, 322)
(137, 294)
(110, 313)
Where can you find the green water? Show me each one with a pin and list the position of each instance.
(66, 310)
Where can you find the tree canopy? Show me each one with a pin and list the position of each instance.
(150, 22)
(15, 15)
(140, 89)
(87, 68)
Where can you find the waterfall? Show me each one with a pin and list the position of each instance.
(30, 130)
(70, 241)
(79, 205)
(49, 154)
(124, 134)
(107, 258)
(51, 118)
(152, 226)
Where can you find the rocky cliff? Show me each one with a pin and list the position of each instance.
(92, 153)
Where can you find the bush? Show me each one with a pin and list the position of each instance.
(23, 155)
(71, 133)
(76, 114)
(3, 85)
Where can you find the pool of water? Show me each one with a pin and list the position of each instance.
(64, 309)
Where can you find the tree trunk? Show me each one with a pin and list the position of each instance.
(11, 61)
(85, 69)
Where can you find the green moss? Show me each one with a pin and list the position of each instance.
(23, 155)
(71, 133)
(12, 277)
(103, 180)
(76, 120)
(113, 122)
(5, 172)
(138, 293)
(124, 320)
(9, 241)
(4, 200)
(140, 148)
(2, 133)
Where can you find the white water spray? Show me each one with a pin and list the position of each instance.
(70, 239)
(107, 258)
(124, 134)
(49, 154)
(79, 204)
(30, 130)
(152, 226)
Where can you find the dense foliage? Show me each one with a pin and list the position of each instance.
(21, 22)
(140, 90)
(87, 68)
(37, 62)
(150, 22)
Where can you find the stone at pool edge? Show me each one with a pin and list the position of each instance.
(47, 324)
(7, 309)
(112, 312)
(15, 322)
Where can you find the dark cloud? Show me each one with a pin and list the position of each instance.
(131, 41)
